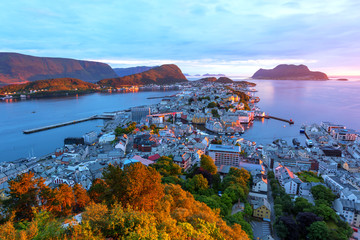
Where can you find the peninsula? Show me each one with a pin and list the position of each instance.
(20, 68)
(289, 72)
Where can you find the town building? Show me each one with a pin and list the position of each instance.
(262, 209)
(137, 113)
(225, 155)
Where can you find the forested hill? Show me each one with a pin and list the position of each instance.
(50, 85)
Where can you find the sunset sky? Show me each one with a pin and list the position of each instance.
(231, 37)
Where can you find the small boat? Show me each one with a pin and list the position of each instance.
(296, 142)
(302, 129)
(309, 143)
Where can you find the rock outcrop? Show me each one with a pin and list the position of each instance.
(289, 72)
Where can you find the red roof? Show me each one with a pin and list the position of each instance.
(154, 157)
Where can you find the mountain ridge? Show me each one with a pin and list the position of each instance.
(20, 68)
(164, 74)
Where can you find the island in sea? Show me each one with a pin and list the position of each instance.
(160, 76)
(289, 72)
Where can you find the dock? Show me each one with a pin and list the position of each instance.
(95, 117)
(277, 118)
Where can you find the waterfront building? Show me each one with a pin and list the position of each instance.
(344, 134)
(225, 155)
(328, 126)
(90, 138)
(137, 113)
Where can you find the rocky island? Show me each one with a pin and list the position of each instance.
(289, 72)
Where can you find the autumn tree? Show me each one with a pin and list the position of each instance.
(65, 200)
(24, 192)
(208, 164)
(97, 190)
(136, 185)
(81, 197)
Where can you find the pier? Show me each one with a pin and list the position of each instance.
(277, 118)
(95, 117)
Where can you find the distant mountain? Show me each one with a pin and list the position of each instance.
(122, 72)
(207, 80)
(224, 80)
(165, 74)
(290, 72)
(50, 85)
(213, 75)
(20, 68)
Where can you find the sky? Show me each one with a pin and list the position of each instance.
(231, 37)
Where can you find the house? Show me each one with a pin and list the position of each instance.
(305, 188)
(260, 184)
(346, 209)
(262, 209)
(184, 160)
(287, 179)
(327, 167)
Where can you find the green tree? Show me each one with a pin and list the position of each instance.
(239, 219)
(212, 105)
(208, 164)
(324, 211)
(301, 205)
(318, 231)
(166, 167)
(321, 192)
(197, 184)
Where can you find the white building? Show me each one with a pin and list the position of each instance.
(260, 185)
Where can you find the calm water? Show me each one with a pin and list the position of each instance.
(303, 101)
(18, 116)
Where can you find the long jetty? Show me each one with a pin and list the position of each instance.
(34, 130)
(277, 118)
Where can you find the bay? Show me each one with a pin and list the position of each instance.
(17, 116)
(305, 102)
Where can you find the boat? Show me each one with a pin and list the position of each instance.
(302, 129)
(309, 143)
(296, 142)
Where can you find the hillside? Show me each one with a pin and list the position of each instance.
(122, 72)
(50, 85)
(164, 74)
(19, 68)
(224, 80)
(289, 72)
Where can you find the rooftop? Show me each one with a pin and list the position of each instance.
(224, 148)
